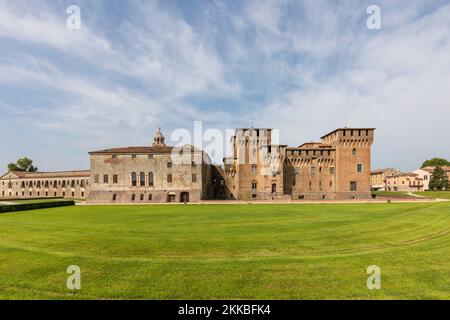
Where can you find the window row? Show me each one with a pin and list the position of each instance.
(49, 183)
(39, 194)
(138, 179)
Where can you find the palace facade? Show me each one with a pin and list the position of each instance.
(31, 185)
(337, 167)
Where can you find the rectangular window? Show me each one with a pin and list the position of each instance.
(133, 156)
(133, 197)
(331, 170)
(169, 164)
(313, 170)
(169, 178)
(105, 178)
(353, 185)
(150, 197)
(114, 156)
(194, 177)
(96, 178)
(297, 171)
(115, 178)
(114, 197)
(359, 168)
(142, 197)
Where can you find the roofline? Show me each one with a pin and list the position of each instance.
(339, 129)
(88, 172)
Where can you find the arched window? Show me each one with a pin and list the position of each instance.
(142, 179)
(274, 188)
(150, 179)
(254, 185)
(133, 179)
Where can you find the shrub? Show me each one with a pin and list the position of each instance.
(35, 206)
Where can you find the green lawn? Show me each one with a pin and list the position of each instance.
(392, 194)
(228, 251)
(39, 200)
(435, 194)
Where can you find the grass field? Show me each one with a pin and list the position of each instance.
(434, 194)
(392, 194)
(228, 251)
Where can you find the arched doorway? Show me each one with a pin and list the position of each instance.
(184, 197)
(274, 188)
(171, 197)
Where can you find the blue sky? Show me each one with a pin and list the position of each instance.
(303, 67)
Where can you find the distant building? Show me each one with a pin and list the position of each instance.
(378, 178)
(337, 167)
(407, 182)
(28, 185)
(425, 175)
(431, 169)
(148, 174)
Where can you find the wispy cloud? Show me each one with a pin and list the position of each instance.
(302, 66)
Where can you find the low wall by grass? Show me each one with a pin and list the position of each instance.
(35, 206)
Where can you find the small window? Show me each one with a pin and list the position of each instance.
(114, 156)
(150, 197)
(133, 197)
(73, 194)
(254, 169)
(169, 178)
(297, 171)
(133, 179)
(194, 177)
(115, 178)
(150, 156)
(142, 179)
(254, 196)
(331, 183)
(142, 197)
(150, 179)
(169, 164)
(95, 179)
(82, 193)
(331, 170)
(105, 178)
(354, 152)
(359, 168)
(114, 197)
(353, 185)
(313, 170)
(133, 156)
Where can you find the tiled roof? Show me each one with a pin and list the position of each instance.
(59, 174)
(431, 169)
(144, 150)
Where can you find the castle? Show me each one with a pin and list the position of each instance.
(336, 168)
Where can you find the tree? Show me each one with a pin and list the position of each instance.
(439, 180)
(435, 162)
(23, 164)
